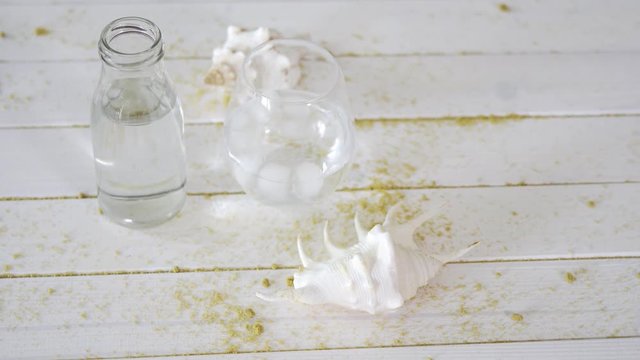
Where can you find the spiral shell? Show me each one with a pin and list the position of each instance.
(379, 273)
(227, 60)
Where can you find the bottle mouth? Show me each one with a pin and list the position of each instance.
(130, 42)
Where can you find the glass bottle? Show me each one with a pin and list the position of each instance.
(137, 128)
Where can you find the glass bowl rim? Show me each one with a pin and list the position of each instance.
(292, 42)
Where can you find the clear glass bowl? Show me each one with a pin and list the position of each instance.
(289, 130)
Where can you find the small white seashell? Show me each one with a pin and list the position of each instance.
(379, 273)
(227, 60)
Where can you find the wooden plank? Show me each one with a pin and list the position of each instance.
(600, 349)
(58, 162)
(387, 87)
(164, 314)
(399, 28)
(514, 223)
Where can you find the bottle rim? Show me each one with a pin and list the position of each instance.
(130, 59)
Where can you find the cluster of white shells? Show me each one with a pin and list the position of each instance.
(227, 60)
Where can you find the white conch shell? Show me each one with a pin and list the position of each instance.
(227, 60)
(383, 270)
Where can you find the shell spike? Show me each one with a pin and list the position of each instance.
(282, 295)
(457, 255)
(334, 251)
(423, 217)
(307, 262)
(464, 251)
(392, 216)
(360, 231)
(403, 233)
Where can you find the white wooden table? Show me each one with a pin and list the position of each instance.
(553, 192)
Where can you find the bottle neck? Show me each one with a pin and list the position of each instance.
(150, 70)
(131, 44)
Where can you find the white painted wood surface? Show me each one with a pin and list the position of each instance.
(379, 87)
(555, 199)
(164, 314)
(548, 222)
(625, 349)
(415, 154)
(382, 27)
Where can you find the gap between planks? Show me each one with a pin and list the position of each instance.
(351, 55)
(464, 120)
(426, 345)
(81, 195)
(177, 269)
